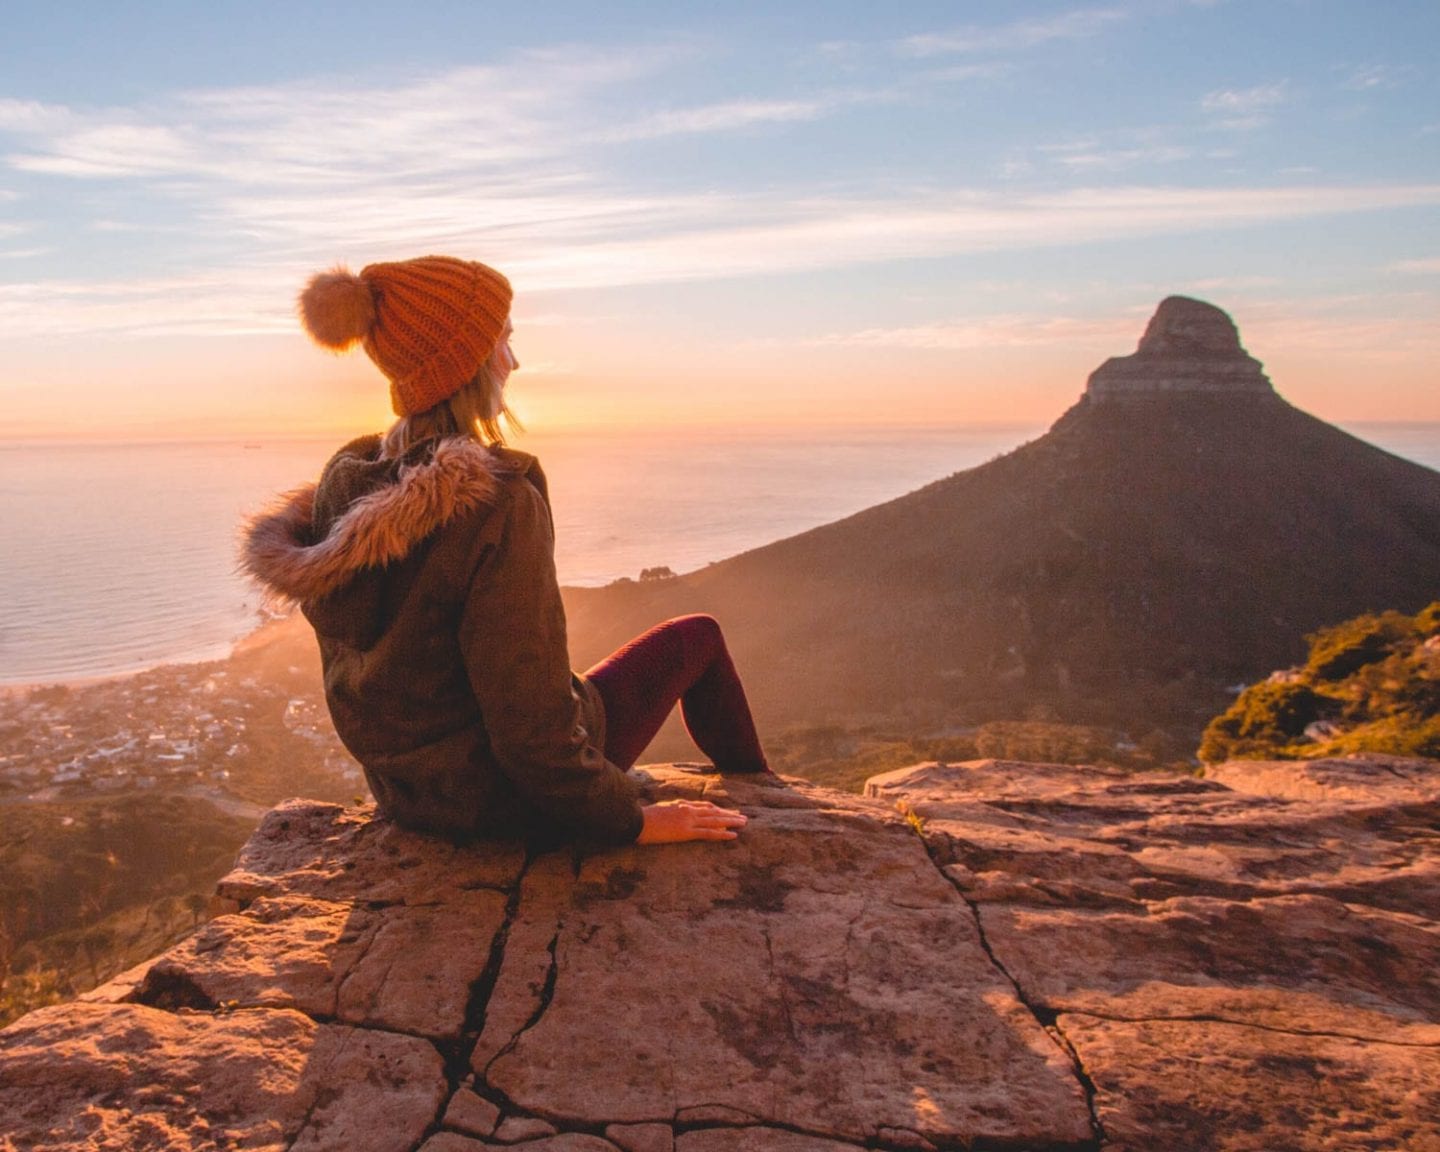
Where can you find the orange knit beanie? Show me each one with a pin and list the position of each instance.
(429, 323)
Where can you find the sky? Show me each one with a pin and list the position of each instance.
(747, 213)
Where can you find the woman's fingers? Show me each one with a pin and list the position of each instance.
(676, 821)
(716, 823)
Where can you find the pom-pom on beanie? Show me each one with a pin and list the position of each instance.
(428, 324)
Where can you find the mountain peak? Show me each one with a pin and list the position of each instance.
(1188, 346)
(1183, 326)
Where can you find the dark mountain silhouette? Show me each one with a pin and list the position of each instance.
(1178, 530)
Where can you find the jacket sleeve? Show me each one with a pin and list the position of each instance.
(512, 632)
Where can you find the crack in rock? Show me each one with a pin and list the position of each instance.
(547, 994)
(455, 1056)
(1043, 1016)
(364, 942)
(512, 996)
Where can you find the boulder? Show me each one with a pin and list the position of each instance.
(985, 955)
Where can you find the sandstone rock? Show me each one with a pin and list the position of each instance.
(119, 988)
(1228, 1088)
(642, 1137)
(1373, 781)
(454, 1142)
(334, 853)
(1055, 834)
(471, 1114)
(756, 1140)
(1236, 961)
(818, 974)
(565, 1142)
(1300, 963)
(404, 968)
(515, 1129)
(123, 1076)
(347, 918)
(1064, 958)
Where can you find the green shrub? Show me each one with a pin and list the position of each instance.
(1372, 675)
(1265, 717)
(1344, 649)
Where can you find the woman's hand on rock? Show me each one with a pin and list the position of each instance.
(674, 821)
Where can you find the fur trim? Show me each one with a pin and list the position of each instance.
(377, 529)
(337, 308)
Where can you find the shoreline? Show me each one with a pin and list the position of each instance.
(219, 655)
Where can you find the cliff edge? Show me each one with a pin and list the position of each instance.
(976, 956)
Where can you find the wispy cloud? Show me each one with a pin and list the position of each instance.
(513, 162)
(1423, 264)
(1092, 154)
(1393, 326)
(1270, 324)
(557, 242)
(1013, 330)
(1245, 108)
(1377, 77)
(307, 133)
(722, 117)
(976, 40)
(778, 236)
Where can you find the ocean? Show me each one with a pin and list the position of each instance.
(118, 557)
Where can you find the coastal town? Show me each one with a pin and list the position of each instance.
(242, 733)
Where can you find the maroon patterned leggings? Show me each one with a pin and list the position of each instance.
(685, 660)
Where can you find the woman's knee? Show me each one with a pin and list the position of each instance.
(701, 631)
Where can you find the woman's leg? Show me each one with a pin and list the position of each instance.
(684, 659)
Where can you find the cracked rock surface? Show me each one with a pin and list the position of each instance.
(1245, 961)
(1065, 958)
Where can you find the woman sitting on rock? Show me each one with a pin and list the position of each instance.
(424, 559)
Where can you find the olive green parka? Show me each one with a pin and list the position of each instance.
(430, 583)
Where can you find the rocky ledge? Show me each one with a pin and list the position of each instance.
(977, 956)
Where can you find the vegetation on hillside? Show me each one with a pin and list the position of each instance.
(89, 888)
(1371, 684)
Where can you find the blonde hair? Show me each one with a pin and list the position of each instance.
(478, 410)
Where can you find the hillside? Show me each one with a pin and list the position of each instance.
(1180, 529)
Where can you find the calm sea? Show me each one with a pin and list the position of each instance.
(118, 557)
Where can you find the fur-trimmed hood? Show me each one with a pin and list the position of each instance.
(366, 513)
